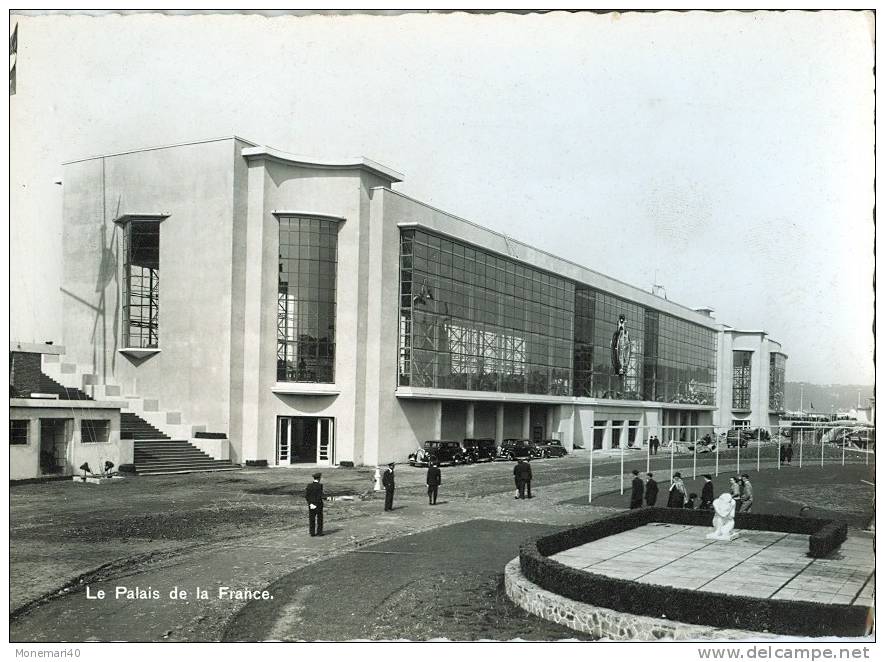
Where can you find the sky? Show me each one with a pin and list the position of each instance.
(725, 156)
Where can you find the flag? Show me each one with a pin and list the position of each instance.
(13, 57)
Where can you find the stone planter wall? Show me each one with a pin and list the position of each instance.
(607, 623)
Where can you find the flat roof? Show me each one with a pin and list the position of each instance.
(150, 149)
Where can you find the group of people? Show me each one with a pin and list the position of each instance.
(678, 497)
(653, 444)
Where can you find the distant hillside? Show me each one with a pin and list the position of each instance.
(826, 398)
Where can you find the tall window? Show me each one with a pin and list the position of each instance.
(141, 284)
(776, 373)
(306, 300)
(740, 394)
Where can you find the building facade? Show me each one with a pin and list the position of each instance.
(314, 314)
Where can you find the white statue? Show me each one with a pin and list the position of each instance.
(723, 519)
(377, 479)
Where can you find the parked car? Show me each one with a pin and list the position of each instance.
(439, 452)
(514, 449)
(479, 450)
(551, 448)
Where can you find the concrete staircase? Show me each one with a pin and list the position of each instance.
(160, 438)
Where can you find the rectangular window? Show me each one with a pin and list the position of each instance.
(141, 284)
(94, 431)
(18, 432)
(740, 398)
(306, 299)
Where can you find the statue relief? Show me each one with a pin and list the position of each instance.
(723, 518)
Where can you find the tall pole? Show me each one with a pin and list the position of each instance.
(821, 449)
(778, 449)
(717, 451)
(672, 451)
(590, 484)
(843, 442)
(739, 449)
(801, 443)
(620, 443)
(694, 458)
(648, 452)
(758, 447)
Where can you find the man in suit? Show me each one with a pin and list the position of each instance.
(522, 475)
(314, 496)
(387, 480)
(434, 480)
(651, 490)
(707, 493)
(637, 492)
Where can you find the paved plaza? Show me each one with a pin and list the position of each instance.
(760, 564)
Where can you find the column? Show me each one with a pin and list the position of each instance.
(469, 426)
(527, 422)
(499, 424)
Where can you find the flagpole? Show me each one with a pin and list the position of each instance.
(647, 453)
(672, 450)
(801, 443)
(778, 449)
(621, 444)
(717, 452)
(821, 449)
(694, 458)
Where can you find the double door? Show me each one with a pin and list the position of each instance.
(305, 440)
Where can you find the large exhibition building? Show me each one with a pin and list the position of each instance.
(310, 313)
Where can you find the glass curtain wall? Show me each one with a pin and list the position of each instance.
(477, 321)
(306, 300)
(647, 355)
(777, 371)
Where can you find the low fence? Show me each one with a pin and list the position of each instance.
(733, 450)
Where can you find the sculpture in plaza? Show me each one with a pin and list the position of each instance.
(723, 518)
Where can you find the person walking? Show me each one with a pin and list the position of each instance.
(637, 493)
(522, 475)
(676, 498)
(314, 496)
(651, 491)
(389, 483)
(434, 480)
(788, 453)
(746, 494)
(707, 493)
(655, 444)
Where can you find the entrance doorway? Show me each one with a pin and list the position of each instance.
(54, 445)
(305, 440)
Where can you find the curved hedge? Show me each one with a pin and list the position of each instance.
(685, 605)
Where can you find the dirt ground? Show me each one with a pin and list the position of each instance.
(65, 535)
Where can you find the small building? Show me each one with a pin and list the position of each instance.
(54, 430)
(304, 311)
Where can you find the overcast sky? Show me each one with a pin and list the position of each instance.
(728, 156)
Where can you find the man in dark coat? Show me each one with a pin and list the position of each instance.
(522, 475)
(651, 491)
(314, 496)
(707, 493)
(434, 480)
(788, 453)
(638, 490)
(387, 480)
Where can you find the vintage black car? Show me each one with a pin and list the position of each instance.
(438, 452)
(479, 450)
(551, 448)
(735, 435)
(514, 449)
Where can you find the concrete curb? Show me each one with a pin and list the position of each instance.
(607, 623)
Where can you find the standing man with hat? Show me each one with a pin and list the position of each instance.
(434, 479)
(314, 496)
(387, 480)
(637, 493)
(707, 493)
(651, 491)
